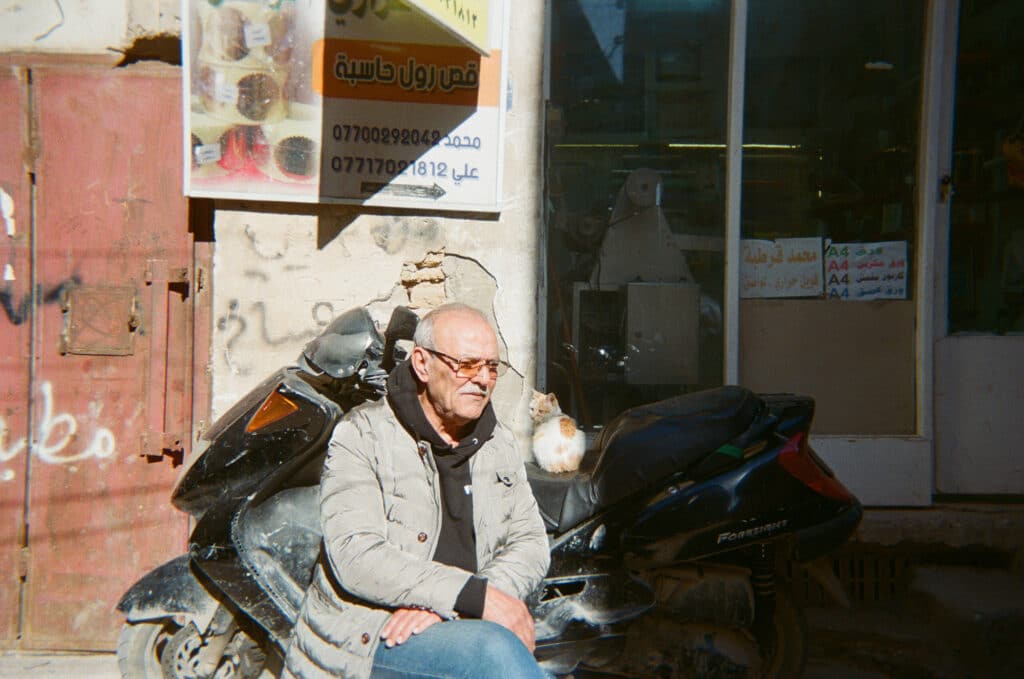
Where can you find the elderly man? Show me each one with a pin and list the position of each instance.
(432, 537)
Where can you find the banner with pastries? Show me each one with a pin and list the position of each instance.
(374, 102)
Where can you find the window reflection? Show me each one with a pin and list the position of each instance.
(986, 262)
(837, 86)
(636, 195)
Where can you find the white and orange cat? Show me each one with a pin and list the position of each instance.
(558, 444)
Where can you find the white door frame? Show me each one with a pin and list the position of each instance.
(978, 375)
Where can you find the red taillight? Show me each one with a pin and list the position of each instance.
(796, 459)
(274, 408)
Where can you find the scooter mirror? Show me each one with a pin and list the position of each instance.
(401, 326)
(345, 344)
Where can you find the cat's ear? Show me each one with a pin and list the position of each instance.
(553, 400)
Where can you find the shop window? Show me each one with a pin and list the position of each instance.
(829, 178)
(635, 150)
(986, 247)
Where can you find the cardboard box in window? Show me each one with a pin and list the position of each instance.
(662, 333)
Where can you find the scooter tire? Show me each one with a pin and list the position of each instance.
(789, 656)
(140, 647)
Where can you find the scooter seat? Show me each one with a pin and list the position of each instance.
(641, 447)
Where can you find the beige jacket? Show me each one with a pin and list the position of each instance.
(380, 510)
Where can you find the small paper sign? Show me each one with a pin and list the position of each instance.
(860, 272)
(257, 35)
(786, 267)
(207, 153)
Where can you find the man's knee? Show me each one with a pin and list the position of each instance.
(498, 644)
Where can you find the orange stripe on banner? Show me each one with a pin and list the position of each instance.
(393, 71)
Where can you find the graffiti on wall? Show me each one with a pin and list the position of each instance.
(56, 437)
(18, 312)
(236, 325)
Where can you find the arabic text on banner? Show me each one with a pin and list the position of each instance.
(786, 267)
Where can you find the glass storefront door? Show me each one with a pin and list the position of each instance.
(986, 277)
(830, 154)
(979, 366)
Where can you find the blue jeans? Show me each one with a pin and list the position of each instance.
(458, 649)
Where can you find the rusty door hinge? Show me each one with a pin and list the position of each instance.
(158, 445)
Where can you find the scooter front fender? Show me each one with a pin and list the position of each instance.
(169, 590)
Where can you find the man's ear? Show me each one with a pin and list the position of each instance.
(419, 363)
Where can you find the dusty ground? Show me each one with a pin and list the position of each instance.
(951, 622)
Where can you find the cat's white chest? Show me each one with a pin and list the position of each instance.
(558, 445)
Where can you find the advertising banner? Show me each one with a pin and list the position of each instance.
(355, 101)
(466, 19)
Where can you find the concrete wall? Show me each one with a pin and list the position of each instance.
(81, 26)
(282, 273)
(979, 388)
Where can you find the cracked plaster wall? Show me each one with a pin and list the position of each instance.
(274, 289)
(84, 27)
(280, 277)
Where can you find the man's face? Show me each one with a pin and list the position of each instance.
(455, 400)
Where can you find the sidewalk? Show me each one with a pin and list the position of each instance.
(953, 622)
(44, 665)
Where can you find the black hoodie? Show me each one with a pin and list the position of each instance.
(456, 545)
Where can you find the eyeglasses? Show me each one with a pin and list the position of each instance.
(467, 368)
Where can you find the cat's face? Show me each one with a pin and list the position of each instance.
(542, 405)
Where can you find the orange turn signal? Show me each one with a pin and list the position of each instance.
(274, 408)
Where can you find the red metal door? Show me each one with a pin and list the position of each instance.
(15, 330)
(111, 346)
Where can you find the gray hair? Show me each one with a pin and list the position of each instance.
(424, 335)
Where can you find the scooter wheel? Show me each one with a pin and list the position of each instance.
(140, 647)
(182, 657)
(789, 655)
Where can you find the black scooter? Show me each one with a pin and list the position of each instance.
(664, 545)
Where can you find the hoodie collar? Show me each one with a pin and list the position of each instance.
(402, 395)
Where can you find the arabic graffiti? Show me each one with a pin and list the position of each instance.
(7, 213)
(235, 325)
(55, 433)
(412, 76)
(19, 313)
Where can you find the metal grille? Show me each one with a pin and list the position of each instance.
(867, 575)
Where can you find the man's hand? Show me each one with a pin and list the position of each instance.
(509, 612)
(405, 622)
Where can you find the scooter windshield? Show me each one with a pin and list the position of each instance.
(342, 347)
